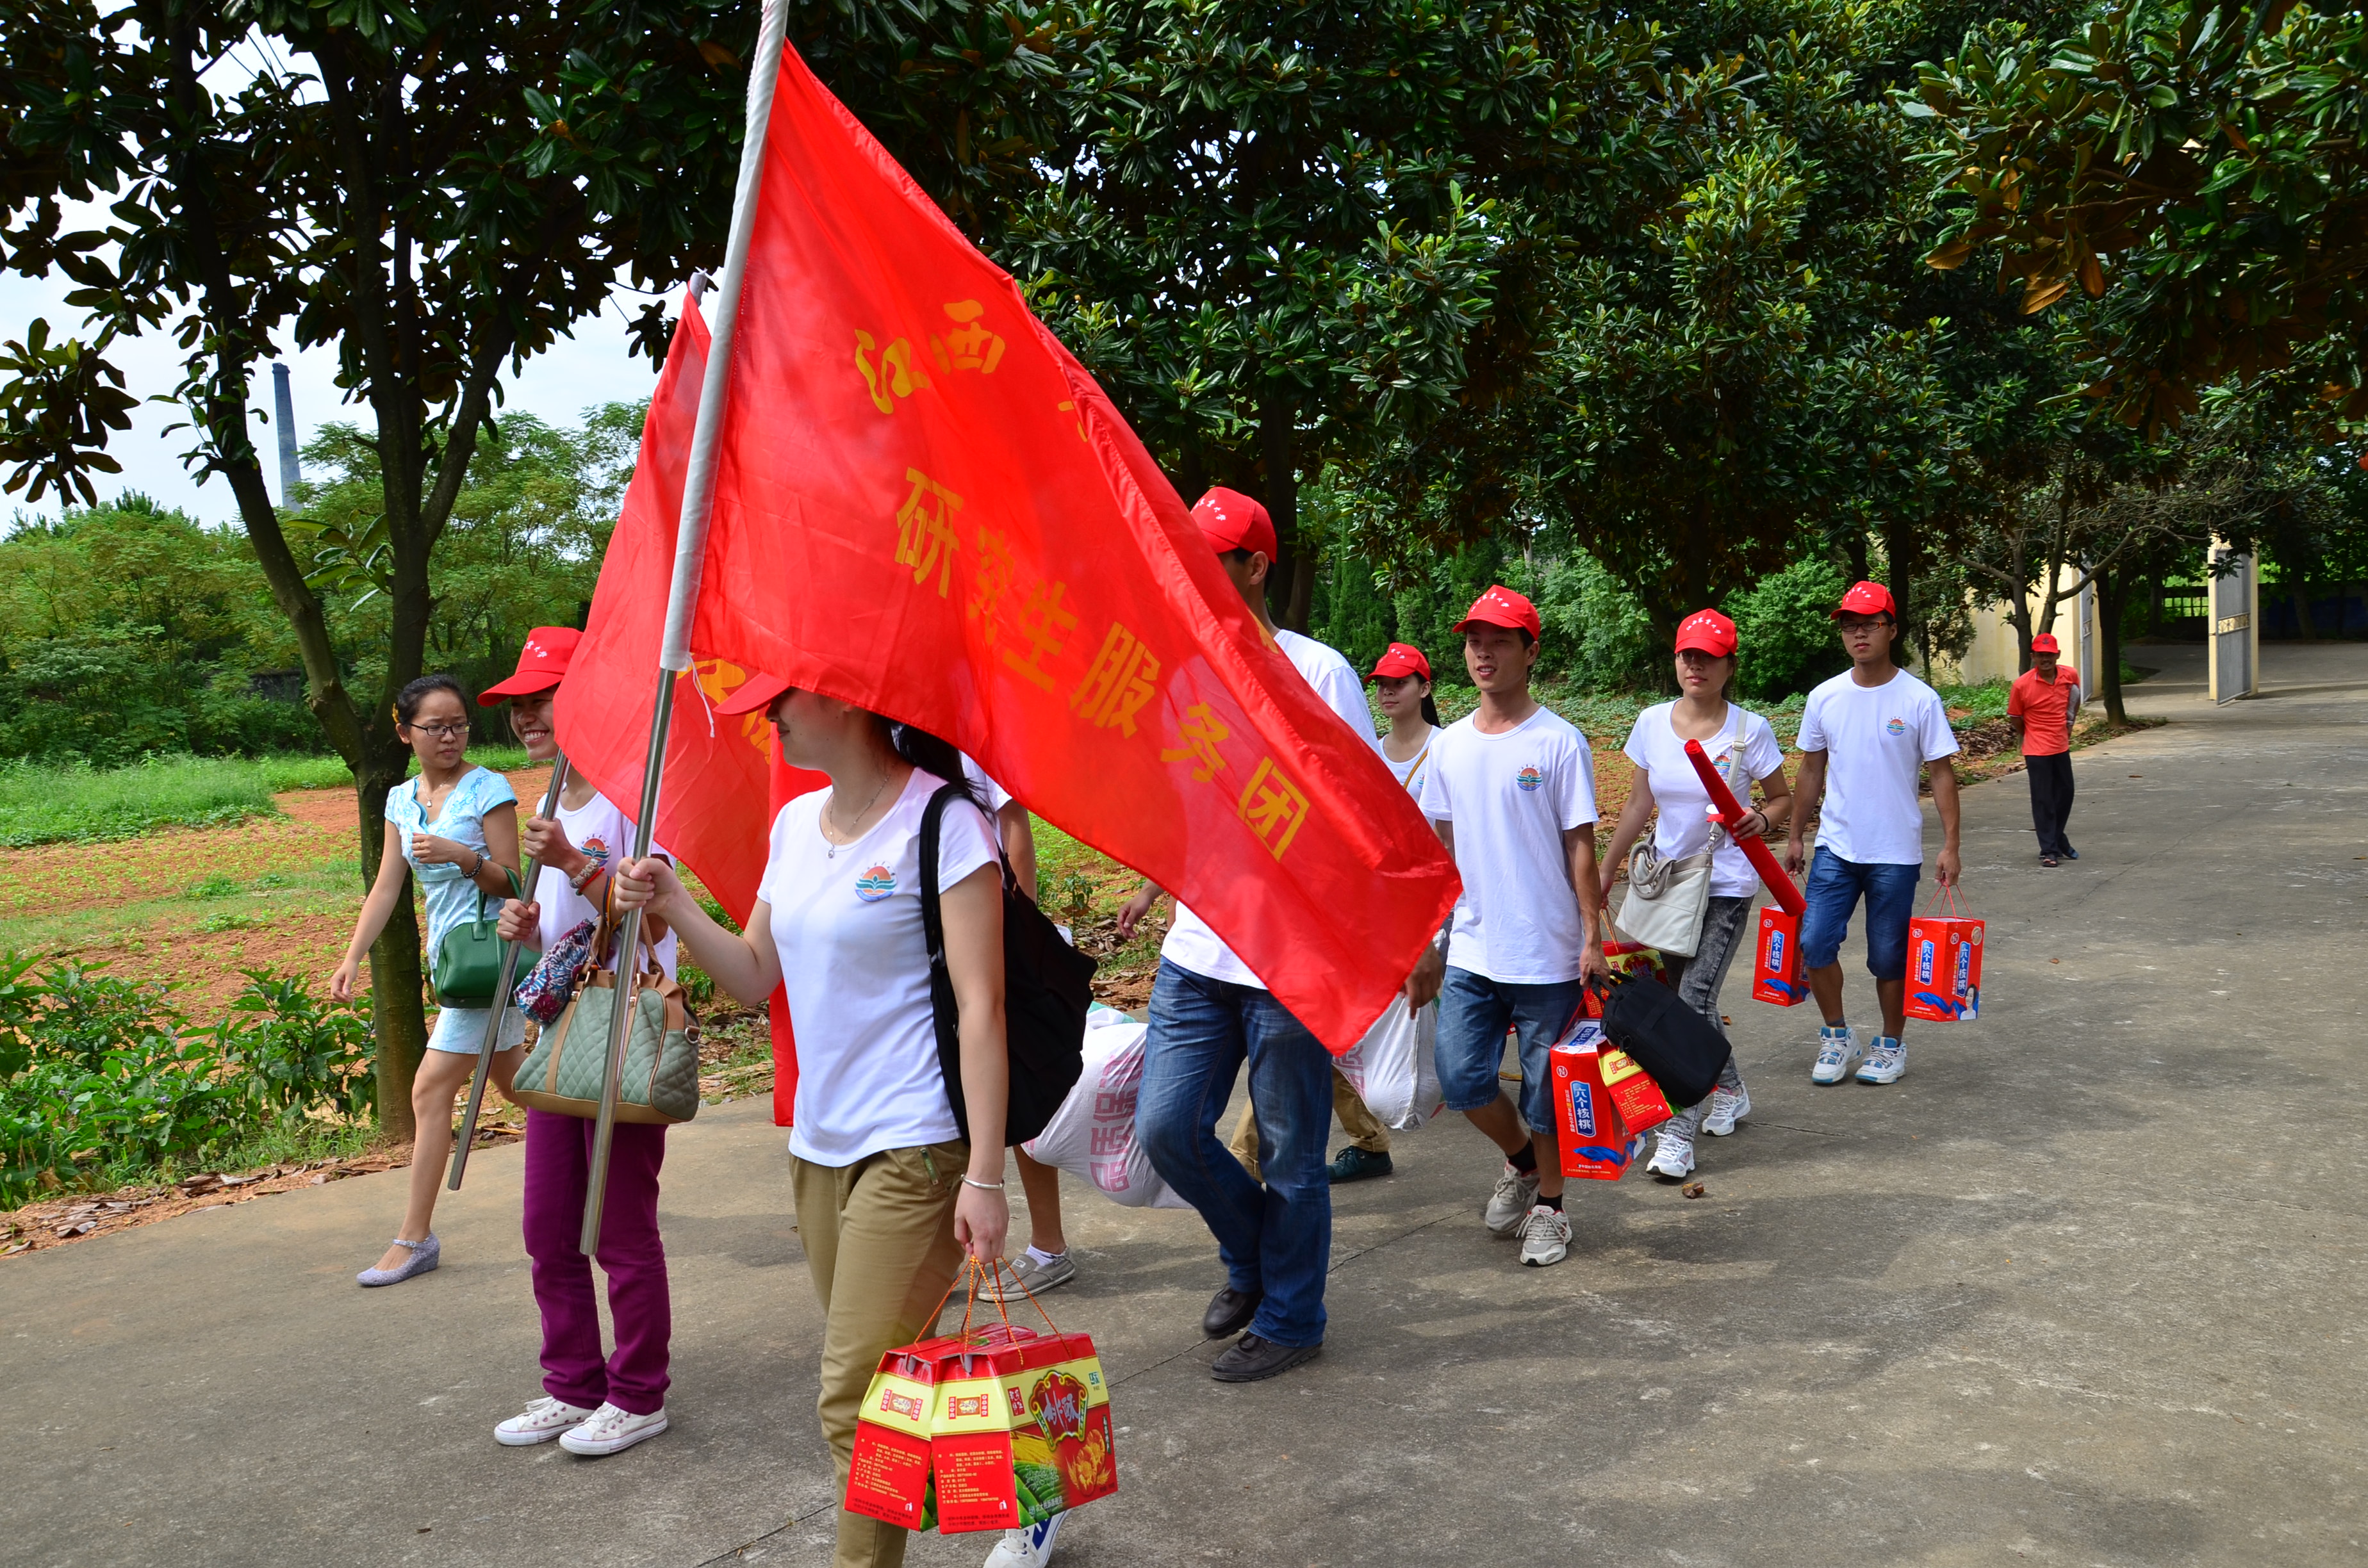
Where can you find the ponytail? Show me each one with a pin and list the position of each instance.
(1430, 713)
(931, 754)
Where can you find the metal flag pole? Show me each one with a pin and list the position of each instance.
(501, 996)
(690, 556)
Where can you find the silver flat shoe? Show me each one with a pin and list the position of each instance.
(425, 1256)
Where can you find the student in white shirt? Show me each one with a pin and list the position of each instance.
(1865, 736)
(592, 1404)
(1743, 747)
(1512, 789)
(1210, 1015)
(890, 1195)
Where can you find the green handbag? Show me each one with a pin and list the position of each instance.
(660, 1081)
(467, 968)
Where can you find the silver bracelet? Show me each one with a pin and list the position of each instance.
(982, 1185)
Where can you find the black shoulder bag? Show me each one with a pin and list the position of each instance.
(1681, 1051)
(1047, 986)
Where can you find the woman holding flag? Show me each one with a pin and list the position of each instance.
(1743, 747)
(890, 1196)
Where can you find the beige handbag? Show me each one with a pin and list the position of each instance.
(1667, 899)
(660, 1081)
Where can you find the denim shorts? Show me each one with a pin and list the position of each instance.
(1474, 1014)
(1833, 888)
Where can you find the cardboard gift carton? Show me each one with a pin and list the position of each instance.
(1945, 966)
(1595, 1144)
(1777, 974)
(1638, 1098)
(1626, 958)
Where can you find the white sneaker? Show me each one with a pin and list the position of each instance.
(1545, 1237)
(1673, 1154)
(1030, 1548)
(1512, 1200)
(1886, 1063)
(1837, 1053)
(1726, 1111)
(611, 1431)
(541, 1422)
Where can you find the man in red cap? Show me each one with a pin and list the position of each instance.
(1866, 737)
(1512, 787)
(2041, 706)
(1209, 1016)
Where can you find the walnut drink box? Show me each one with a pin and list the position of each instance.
(993, 1429)
(1594, 1144)
(1945, 968)
(1776, 972)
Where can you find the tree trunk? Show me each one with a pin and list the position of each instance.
(1291, 585)
(1854, 556)
(1899, 571)
(398, 1014)
(2113, 593)
(2299, 592)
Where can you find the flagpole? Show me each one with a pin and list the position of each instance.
(491, 1043)
(689, 557)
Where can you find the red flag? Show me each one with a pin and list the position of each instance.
(924, 504)
(724, 780)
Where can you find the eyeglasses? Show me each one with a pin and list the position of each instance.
(441, 731)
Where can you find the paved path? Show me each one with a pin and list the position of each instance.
(2085, 1289)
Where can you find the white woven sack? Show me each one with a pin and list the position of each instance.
(1394, 1069)
(1092, 1135)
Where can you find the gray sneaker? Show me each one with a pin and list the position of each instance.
(1036, 1277)
(1516, 1194)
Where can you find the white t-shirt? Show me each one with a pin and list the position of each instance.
(1190, 944)
(601, 830)
(1511, 797)
(1413, 769)
(857, 970)
(1744, 751)
(1874, 738)
(995, 796)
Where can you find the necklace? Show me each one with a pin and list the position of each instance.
(831, 849)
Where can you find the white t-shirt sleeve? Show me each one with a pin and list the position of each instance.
(1932, 728)
(1813, 723)
(1345, 695)
(1761, 753)
(1636, 748)
(965, 843)
(1433, 799)
(1575, 790)
(995, 796)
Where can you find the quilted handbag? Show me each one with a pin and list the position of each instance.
(660, 1081)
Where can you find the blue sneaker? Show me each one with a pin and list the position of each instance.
(1030, 1548)
(1837, 1053)
(1886, 1063)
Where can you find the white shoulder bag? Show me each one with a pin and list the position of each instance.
(1667, 899)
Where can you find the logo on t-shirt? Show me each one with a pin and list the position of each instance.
(875, 884)
(597, 851)
(1529, 778)
(1895, 726)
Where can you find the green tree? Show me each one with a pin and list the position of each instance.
(438, 190)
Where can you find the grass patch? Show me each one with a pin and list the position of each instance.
(77, 803)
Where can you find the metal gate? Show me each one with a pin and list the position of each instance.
(2235, 640)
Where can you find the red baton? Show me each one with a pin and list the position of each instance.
(1731, 812)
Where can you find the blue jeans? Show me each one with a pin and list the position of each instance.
(1474, 1014)
(1833, 888)
(1275, 1239)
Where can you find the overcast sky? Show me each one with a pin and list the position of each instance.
(579, 373)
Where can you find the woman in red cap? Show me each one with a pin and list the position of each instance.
(889, 1192)
(592, 1404)
(454, 829)
(1687, 845)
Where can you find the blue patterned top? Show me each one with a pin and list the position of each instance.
(451, 896)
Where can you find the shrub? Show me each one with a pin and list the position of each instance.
(1784, 629)
(295, 1052)
(1597, 634)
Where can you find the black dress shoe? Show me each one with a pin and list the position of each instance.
(1229, 1312)
(1255, 1359)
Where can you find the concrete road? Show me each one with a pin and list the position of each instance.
(2084, 1289)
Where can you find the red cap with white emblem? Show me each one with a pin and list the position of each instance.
(1233, 521)
(1501, 606)
(1708, 631)
(541, 664)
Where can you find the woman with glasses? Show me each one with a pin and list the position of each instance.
(455, 828)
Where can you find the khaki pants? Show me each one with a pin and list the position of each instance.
(1364, 1130)
(878, 1236)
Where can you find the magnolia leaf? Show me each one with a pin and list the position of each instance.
(2037, 295)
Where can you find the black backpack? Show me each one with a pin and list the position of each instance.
(1047, 986)
(1677, 1047)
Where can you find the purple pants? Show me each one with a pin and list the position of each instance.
(558, 1171)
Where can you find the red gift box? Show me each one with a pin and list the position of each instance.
(1777, 974)
(1944, 965)
(1638, 1098)
(1594, 1144)
(1626, 958)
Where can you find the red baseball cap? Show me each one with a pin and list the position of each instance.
(2045, 644)
(1501, 606)
(541, 664)
(1867, 598)
(1708, 631)
(754, 695)
(1233, 521)
(1401, 659)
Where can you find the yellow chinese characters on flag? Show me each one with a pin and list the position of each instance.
(924, 504)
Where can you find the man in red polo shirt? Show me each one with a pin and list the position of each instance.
(2041, 707)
